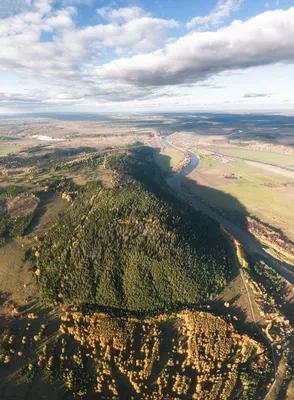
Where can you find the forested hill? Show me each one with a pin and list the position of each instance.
(129, 249)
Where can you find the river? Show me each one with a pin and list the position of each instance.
(251, 245)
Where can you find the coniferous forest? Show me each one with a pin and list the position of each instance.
(130, 249)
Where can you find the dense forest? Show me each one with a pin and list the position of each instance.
(130, 249)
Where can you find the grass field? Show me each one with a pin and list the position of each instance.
(262, 156)
(168, 158)
(248, 193)
(16, 280)
(47, 212)
(6, 149)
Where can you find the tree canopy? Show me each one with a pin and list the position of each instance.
(126, 248)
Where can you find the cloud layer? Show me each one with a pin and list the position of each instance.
(23, 48)
(264, 39)
(44, 43)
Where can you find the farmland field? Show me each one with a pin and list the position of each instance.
(245, 189)
(261, 156)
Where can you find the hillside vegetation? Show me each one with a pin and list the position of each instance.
(186, 355)
(126, 248)
(16, 212)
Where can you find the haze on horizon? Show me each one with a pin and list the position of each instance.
(146, 55)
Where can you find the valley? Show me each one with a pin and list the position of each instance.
(121, 279)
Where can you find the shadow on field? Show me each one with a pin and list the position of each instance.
(46, 198)
(236, 217)
(4, 296)
(162, 161)
(224, 204)
(40, 211)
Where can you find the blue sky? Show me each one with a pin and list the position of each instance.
(146, 55)
(180, 10)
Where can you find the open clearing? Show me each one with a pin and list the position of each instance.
(22, 205)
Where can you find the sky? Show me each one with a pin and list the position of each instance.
(146, 55)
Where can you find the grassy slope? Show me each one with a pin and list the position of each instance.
(14, 273)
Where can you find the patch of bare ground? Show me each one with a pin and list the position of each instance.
(22, 205)
(106, 176)
(285, 191)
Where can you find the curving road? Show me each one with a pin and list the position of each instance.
(253, 248)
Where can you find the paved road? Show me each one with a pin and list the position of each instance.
(251, 245)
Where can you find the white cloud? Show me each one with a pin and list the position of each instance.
(73, 94)
(62, 19)
(69, 67)
(121, 15)
(252, 95)
(264, 39)
(67, 55)
(138, 34)
(221, 11)
(44, 6)
(132, 27)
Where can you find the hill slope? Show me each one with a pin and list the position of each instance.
(128, 249)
